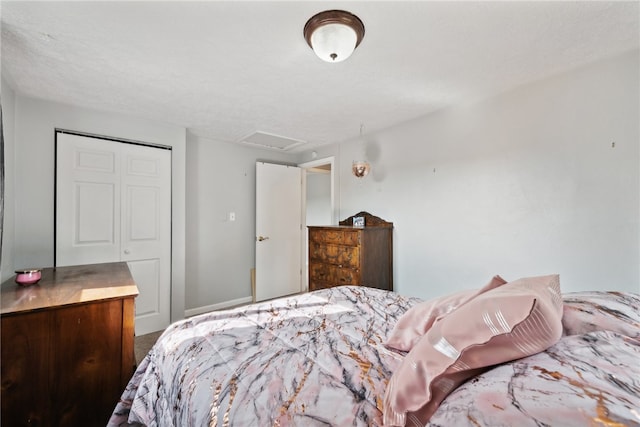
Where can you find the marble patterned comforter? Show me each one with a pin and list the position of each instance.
(319, 359)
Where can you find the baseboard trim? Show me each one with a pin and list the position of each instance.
(219, 306)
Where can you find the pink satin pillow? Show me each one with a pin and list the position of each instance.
(509, 322)
(418, 319)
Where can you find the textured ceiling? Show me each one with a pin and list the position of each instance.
(228, 69)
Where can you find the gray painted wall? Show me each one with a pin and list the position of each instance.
(319, 198)
(221, 178)
(525, 183)
(8, 119)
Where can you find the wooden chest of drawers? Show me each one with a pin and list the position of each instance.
(347, 255)
(67, 345)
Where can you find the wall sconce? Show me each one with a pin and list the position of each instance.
(334, 34)
(360, 168)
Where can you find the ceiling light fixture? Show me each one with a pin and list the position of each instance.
(334, 34)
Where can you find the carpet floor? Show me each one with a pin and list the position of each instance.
(143, 344)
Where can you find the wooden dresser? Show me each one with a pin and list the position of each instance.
(348, 255)
(67, 345)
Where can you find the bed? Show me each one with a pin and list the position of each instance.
(323, 358)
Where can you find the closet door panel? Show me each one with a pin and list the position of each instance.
(87, 201)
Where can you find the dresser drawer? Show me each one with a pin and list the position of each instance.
(332, 275)
(336, 236)
(344, 256)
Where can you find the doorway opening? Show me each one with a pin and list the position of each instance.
(318, 202)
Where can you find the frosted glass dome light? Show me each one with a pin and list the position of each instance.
(334, 34)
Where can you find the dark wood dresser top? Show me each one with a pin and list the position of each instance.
(61, 286)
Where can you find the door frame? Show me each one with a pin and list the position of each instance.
(304, 243)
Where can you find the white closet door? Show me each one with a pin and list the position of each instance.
(113, 203)
(146, 231)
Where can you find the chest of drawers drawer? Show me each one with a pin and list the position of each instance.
(340, 255)
(327, 275)
(337, 236)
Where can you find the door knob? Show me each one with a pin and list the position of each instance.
(127, 251)
(260, 238)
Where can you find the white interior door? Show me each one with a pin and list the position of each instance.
(278, 230)
(113, 203)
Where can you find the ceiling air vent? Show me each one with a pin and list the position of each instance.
(271, 141)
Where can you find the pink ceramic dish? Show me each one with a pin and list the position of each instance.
(28, 276)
